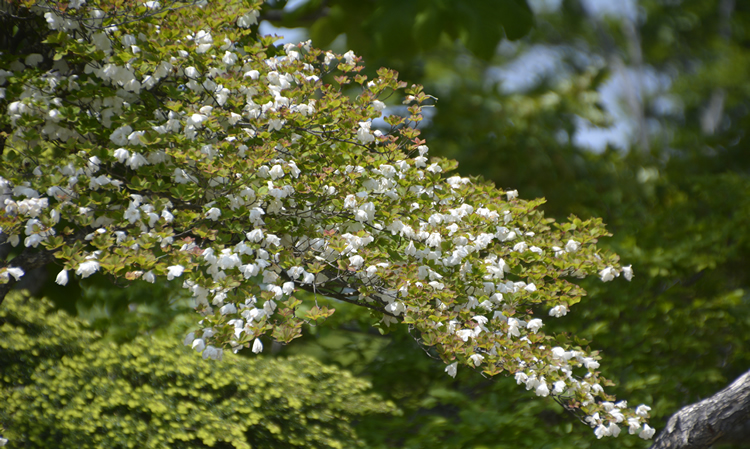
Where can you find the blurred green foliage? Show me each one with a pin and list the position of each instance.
(123, 311)
(64, 387)
(401, 29)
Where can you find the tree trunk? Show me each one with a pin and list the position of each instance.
(721, 418)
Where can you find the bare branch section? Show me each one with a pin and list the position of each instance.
(721, 418)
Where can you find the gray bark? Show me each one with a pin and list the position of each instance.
(721, 418)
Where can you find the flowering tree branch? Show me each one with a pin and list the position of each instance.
(255, 175)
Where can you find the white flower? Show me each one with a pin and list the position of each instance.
(356, 262)
(87, 268)
(513, 325)
(149, 277)
(481, 320)
(476, 359)
(214, 213)
(121, 154)
(295, 171)
(295, 272)
(607, 274)
(197, 119)
(435, 168)
(642, 410)
(437, 285)
(628, 272)
(275, 124)
(247, 20)
(617, 415)
(134, 138)
(558, 311)
(572, 246)
(269, 306)
(452, 369)
(136, 161)
(257, 346)
(132, 214)
(199, 344)
(378, 105)
(363, 133)
(350, 57)
(465, 334)
(234, 118)
(276, 172)
(213, 353)
(534, 325)
(634, 425)
(365, 212)
(62, 277)
(174, 271)
(511, 194)
(167, 216)
(16, 272)
(647, 433)
(256, 215)
(434, 240)
(256, 235)
(229, 58)
(119, 136)
(542, 390)
(590, 363)
(228, 309)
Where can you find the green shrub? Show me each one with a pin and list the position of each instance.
(157, 393)
(32, 332)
